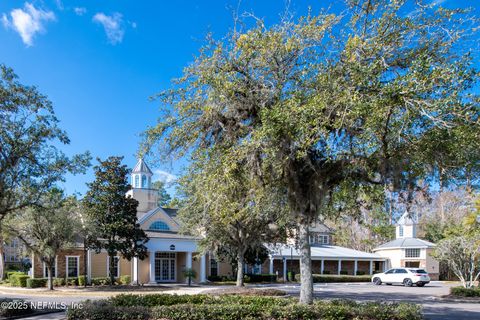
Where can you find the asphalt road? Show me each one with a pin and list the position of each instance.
(429, 297)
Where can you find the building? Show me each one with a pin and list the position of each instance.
(407, 250)
(171, 253)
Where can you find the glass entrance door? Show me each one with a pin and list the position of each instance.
(165, 266)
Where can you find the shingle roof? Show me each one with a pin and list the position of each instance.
(406, 243)
(171, 212)
(326, 251)
(407, 219)
(141, 167)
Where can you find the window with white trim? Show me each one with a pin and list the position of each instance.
(319, 238)
(412, 253)
(73, 266)
(54, 269)
(116, 266)
(159, 225)
(213, 267)
(400, 231)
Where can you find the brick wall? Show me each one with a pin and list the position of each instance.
(60, 264)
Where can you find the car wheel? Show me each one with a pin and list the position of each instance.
(407, 283)
(377, 281)
(389, 284)
(420, 284)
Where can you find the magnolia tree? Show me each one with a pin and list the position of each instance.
(325, 104)
(462, 254)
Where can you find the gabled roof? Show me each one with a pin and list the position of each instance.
(405, 243)
(170, 213)
(141, 167)
(407, 219)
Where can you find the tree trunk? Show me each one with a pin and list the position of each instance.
(240, 266)
(50, 276)
(306, 286)
(112, 265)
(2, 258)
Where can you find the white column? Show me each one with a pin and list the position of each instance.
(152, 267)
(135, 270)
(270, 267)
(188, 263)
(339, 266)
(371, 267)
(322, 266)
(284, 269)
(89, 266)
(203, 273)
(355, 267)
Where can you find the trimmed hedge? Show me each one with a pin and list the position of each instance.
(37, 283)
(10, 273)
(11, 308)
(126, 279)
(322, 278)
(19, 280)
(465, 292)
(58, 282)
(200, 307)
(100, 281)
(261, 278)
(71, 281)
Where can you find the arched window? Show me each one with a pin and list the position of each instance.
(144, 181)
(159, 225)
(137, 181)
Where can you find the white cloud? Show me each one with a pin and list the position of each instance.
(59, 4)
(113, 26)
(80, 11)
(28, 21)
(165, 176)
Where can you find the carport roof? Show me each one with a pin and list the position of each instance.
(405, 243)
(326, 252)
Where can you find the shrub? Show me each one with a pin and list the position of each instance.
(10, 273)
(57, 282)
(465, 292)
(82, 280)
(262, 278)
(343, 272)
(102, 310)
(13, 308)
(198, 307)
(100, 281)
(126, 279)
(152, 300)
(72, 281)
(326, 272)
(19, 280)
(360, 273)
(321, 278)
(37, 283)
(214, 278)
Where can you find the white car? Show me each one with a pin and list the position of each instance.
(406, 276)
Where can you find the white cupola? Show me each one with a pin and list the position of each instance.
(407, 226)
(141, 175)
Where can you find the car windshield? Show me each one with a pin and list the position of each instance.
(418, 271)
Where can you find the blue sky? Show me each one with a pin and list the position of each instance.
(100, 61)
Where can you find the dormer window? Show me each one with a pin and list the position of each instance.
(319, 238)
(159, 225)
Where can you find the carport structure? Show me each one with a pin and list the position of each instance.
(326, 259)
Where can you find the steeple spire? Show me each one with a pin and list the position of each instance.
(141, 175)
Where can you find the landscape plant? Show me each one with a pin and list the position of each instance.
(112, 214)
(327, 103)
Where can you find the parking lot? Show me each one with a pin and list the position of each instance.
(434, 307)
